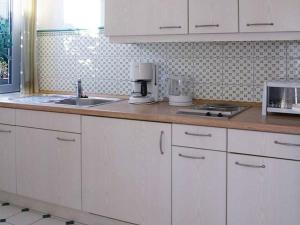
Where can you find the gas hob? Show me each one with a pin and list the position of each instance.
(220, 111)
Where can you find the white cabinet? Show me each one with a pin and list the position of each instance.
(213, 16)
(264, 144)
(49, 166)
(198, 187)
(269, 16)
(7, 159)
(144, 17)
(199, 137)
(127, 170)
(263, 191)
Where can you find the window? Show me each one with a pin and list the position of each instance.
(56, 15)
(9, 47)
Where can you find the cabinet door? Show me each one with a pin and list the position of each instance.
(127, 170)
(7, 159)
(268, 16)
(263, 191)
(199, 187)
(144, 17)
(49, 166)
(213, 16)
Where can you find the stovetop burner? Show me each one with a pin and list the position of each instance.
(212, 110)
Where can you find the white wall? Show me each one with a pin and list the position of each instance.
(70, 14)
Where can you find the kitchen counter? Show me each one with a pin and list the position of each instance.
(251, 119)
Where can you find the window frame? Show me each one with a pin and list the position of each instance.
(15, 52)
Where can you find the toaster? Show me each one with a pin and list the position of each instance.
(281, 97)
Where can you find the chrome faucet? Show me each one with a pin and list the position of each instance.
(79, 90)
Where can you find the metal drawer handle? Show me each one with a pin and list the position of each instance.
(161, 142)
(170, 27)
(286, 144)
(259, 24)
(197, 135)
(5, 131)
(249, 165)
(66, 140)
(191, 157)
(207, 25)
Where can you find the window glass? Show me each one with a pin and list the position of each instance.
(70, 14)
(5, 42)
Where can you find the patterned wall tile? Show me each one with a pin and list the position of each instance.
(208, 91)
(180, 67)
(208, 49)
(293, 49)
(208, 70)
(107, 49)
(238, 49)
(258, 93)
(269, 49)
(293, 71)
(221, 70)
(107, 68)
(238, 93)
(107, 87)
(130, 50)
(124, 88)
(180, 50)
(153, 50)
(269, 69)
(238, 71)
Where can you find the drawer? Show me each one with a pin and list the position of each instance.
(199, 137)
(7, 116)
(49, 120)
(264, 144)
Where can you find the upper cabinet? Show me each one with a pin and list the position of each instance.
(269, 16)
(144, 17)
(213, 16)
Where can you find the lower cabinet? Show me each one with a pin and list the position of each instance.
(263, 191)
(127, 170)
(7, 159)
(198, 187)
(49, 166)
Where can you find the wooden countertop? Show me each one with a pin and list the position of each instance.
(251, 119)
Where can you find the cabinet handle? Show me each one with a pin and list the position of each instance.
(161, 142)
(191, 157)
(207, 25)
(197, 135)
(249, 165)
(170, 27)
(5, 131)
(286, 144)
(260, 24)
(66, 140)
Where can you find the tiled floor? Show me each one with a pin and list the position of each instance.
(14, 215)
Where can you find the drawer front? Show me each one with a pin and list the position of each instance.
(7, 116)
(48, 120)
(199, 137)
(264, 144)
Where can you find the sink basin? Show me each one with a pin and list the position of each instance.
(88, 102)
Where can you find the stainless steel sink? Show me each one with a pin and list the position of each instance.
(87, 102)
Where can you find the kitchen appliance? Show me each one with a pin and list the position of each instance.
(180, 91)
(281, 97)
(145, 86)
(220, 111)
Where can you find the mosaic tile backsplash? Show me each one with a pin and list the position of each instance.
(220, 70)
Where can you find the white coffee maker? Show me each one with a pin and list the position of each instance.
(145, 86)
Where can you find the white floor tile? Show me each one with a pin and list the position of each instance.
(25, 218)
(49, 221)
(8, 211)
